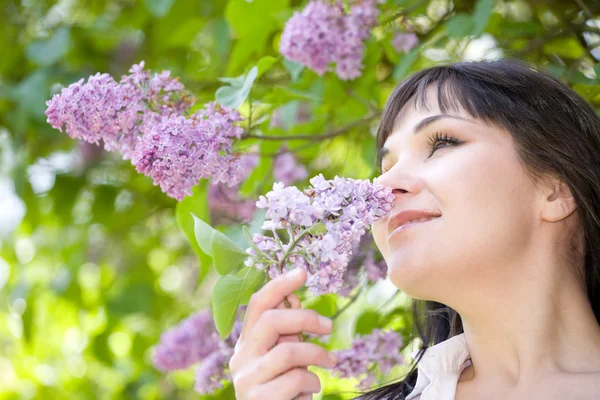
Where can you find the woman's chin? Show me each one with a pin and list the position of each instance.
(412, 278)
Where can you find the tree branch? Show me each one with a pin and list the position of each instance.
(328, 135)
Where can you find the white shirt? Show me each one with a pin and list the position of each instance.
(440, 369)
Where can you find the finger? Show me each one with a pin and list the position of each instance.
(286, 356)
(304, 397)
(293, 300)
(296, 304)
(275, 323)
(270, 295)
(288, 339)
(292, 383)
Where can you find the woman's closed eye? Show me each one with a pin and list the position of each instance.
(436, 141)
(439, 138)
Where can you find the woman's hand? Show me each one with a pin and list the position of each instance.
(269, 360)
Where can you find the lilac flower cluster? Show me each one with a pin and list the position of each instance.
(364, 261)
(378, 351)
(115, 112)
(193, 341)
(142, 118)
(214, 370)
(224, 201)
(287, 169)
(178, 151)
(187, 343)
(323, 33)
(403, 42)
(324, 223)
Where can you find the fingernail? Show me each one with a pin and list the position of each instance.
(293, 274)
(324, 321)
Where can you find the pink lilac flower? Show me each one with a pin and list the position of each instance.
(287, 169)
(196, 341)
(187, 343)
(114, 113)
(323, 34)
(213, 372)
(312, 36)
(357, 27)
(363, 262)
(345, 208)
(404, 42)
(224, 201)
(178, 151)
(368, 355)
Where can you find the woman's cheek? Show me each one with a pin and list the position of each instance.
(380, 238)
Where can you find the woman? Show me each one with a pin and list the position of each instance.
(499, 167)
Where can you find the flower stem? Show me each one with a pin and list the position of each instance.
(349, 303)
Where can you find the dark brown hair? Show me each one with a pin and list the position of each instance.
(555, 132)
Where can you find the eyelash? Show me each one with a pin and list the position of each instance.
(435, 139)
(440, 137)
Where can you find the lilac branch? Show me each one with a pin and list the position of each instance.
(328, 135)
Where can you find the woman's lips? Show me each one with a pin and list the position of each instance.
(409, 225)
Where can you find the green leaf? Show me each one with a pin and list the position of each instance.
(481, 15)
(233, 96)
(366, 322)
(253, 37)
(204, 234)
(231, 291)
(264, 64)
(159, 8)
(317, 228)
(597, 70)
(293, 68)
(47, 52)
(196, 204)
(325, 305)
(227, 256)
(460, 25)
(564, 47)
(401, 69)
(253, 279)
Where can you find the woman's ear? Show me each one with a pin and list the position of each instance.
(559, 202)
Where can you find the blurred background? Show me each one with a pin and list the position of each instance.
(93, 265)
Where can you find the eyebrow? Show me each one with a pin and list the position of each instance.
(422, 125)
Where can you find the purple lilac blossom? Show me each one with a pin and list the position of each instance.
(214, 370)
(312, 36)
(287, 169)
(187, 343)
(178, 151)
(141, 117)
(377, 351)
(345, 208)
(114, 113)
(404, 42)
(323, 34)
(361, 18)
(363, 262)
(196, 341)
(224, 201)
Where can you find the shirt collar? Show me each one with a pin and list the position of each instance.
(447, 358)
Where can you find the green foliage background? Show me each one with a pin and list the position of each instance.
(98, 266)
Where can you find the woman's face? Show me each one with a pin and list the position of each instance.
(470, 176)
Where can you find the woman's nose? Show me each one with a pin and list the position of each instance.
(402, 183)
